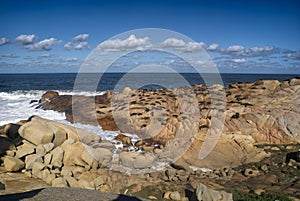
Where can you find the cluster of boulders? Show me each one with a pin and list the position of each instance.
(62, 155)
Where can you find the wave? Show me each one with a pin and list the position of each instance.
(19, 105)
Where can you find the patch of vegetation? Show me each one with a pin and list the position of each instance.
(265, 196)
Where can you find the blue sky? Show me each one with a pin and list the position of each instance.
(240, 36)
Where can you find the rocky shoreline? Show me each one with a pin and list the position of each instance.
(257, 153)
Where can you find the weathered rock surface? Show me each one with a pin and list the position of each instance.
(266, 111)
(204, 193)
(13, 164)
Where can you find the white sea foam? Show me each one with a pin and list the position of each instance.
(15, 106)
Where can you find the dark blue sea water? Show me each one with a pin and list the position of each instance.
(65, 81)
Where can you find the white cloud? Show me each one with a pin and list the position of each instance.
(239, 60)
(213, 47)
(4, 41)
(262, 49)
(68, 46)
(235, 48)
(81, 45)
(25, 39)
(132, 42)
(180, 45)
(43, 45)
(173, 43)
(78, 42)
(80, 38)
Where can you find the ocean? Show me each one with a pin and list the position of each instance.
(18, 90)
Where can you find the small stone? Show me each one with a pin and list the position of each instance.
(251, 173)
(175, 195)
(264, 168)
(50, 178)
(167, 195)
(275, 149)
(47, 158)
(30, 159)
(10, 153)
(291, 163)
(59, 182)
(24, 150)
(48, 147)
(36, 169)
(65, 171)
(44, 174)
(99, 181)
(57, 156)
(258, 191)
(72, 182)
(13, 164)
(40, 150)
(82, 183)
(151, 197)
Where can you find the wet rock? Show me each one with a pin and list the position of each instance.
(124, 139)
(48, 96)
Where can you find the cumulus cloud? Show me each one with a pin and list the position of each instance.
(257, 51)
(4, 41)
(43, 45)
(180, 45)
(173, 43)
(78, 42)
(81, 45)
(130, 43)
(212, 47)
(24, 39)
(80, 38)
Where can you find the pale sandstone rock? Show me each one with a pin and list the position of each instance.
(13, 164)
(175, 195)
(50, 178)
(72, 182)
(37, 167)
(82, 183)
(203, 194)
(25, 149)
(57, 155)
(30, 159)
(36, 132)
(59, 182)
(144, 161)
